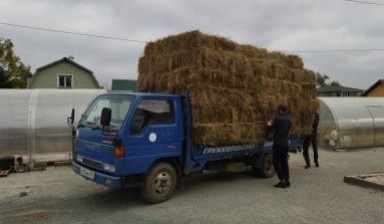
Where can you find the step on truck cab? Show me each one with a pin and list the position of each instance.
(127, 139)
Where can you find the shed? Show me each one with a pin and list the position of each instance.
(124, 84)
(355, 122)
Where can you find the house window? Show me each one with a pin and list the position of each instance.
(64, 81)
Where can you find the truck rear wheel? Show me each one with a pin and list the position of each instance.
(266, 169)
(160, 183)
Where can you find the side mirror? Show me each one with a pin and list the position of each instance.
(105, 119)
(72, 116)
(71, 119)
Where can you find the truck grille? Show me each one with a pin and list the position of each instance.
(107, 151)
(92, 163)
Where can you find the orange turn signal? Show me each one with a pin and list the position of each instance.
(119, 152)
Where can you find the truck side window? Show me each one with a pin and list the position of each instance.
(152, 112)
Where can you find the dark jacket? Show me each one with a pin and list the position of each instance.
(281, 127)
(315, 124)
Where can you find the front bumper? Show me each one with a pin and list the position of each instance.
(98, 177)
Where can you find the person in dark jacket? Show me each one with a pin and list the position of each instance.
(311, 139)
(281, 127)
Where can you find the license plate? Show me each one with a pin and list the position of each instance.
(87, 173)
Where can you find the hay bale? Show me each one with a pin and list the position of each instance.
(234, 89)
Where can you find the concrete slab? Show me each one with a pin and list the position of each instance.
(375, 180)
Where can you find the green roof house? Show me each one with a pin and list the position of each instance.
(338, 91)
(63, 74)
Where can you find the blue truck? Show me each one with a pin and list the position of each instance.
(144, 140)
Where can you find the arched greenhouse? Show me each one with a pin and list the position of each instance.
(33, 123)
(353, 122)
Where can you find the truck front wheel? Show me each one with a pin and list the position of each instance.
(159, 184)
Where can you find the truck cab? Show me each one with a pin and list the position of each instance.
(121, 135)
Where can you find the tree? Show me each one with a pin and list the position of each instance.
(5, 79)
(321, 79)
(334, 83)
(14, 70)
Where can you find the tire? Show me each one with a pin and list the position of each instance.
(159, 184)
(266, 170)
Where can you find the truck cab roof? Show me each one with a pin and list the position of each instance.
(143, 94)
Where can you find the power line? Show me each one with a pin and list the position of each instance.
(141, 41)
(364, 2)
(74, 33)
(335, 50)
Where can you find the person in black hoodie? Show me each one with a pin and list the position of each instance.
(311, 139)
(281, 126)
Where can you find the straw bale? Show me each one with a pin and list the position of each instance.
(252, 51)
(189, 41)
(234, 89)
(292, 61)
(212, 133)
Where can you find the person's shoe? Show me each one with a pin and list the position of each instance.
(317, 164)
(281, 185)
(287, 183)
(307, 166)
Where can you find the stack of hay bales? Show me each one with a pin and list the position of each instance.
(234, 89)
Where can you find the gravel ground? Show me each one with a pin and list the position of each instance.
(317, 195)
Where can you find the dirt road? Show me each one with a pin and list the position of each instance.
(317, 195)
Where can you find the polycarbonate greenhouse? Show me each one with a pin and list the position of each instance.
(33, 123)
(354, 122)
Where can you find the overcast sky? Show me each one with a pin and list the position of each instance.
(342, 39)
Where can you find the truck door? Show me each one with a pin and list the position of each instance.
(154, 132)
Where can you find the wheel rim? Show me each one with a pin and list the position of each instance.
(162, 183)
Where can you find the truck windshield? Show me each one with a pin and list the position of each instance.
(119, 105)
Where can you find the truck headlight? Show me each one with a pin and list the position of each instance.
(79, 158)
(109, 167)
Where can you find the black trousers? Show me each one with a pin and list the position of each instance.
(280, 161)
(312, 139)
